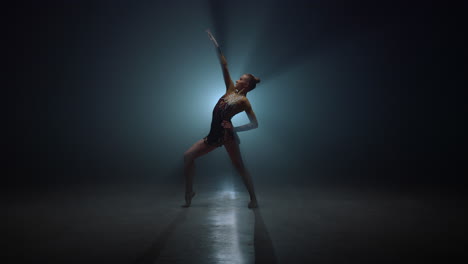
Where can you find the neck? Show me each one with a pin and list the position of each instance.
(241, 91)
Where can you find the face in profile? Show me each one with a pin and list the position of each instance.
(243, 82)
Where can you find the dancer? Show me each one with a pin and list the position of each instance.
(222, 132)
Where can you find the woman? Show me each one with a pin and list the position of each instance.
(222, 132)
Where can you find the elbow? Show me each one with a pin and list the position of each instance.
(255, 125)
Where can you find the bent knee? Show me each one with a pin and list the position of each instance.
(188, 157)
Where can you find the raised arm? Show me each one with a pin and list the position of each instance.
(227, 78)
(253, 119)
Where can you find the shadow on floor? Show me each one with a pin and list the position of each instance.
(264, 251)
(153, 252)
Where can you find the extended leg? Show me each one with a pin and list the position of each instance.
(196, 150)
(234, 153)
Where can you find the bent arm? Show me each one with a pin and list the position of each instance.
(227, 77)
(253, 121)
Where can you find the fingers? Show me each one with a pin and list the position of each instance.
(209, 34)
(212, 38)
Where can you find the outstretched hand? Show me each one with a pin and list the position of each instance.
(212, 38)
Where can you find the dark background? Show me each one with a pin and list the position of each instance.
(364, 94)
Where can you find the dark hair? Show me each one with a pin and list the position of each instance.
(253, 81)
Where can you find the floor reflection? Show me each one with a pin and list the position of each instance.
(224, 231)
(225, 222)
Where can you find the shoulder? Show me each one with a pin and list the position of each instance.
(246, 103)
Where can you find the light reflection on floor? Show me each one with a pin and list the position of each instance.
(224, 220)
(298, 224)
(218, 229)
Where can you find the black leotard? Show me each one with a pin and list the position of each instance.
(218, 134)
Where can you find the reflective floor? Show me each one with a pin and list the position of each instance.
(294, 224)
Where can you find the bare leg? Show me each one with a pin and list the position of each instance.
(196, 150)
(234, 153)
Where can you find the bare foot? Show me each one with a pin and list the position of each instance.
(188, 199)
(253, 204)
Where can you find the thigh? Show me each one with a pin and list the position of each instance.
(198, 149)
(232, 148)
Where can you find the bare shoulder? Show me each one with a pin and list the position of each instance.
(246, 104)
